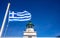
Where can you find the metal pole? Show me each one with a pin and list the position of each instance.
(4, 20)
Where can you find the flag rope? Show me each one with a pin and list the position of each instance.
(6, 29)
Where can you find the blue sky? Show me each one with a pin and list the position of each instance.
(45, 16)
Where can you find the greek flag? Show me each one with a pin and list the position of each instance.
(19, 16)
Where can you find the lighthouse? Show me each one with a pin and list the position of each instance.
(30, 32)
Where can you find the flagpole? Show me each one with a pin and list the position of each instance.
(4, 20)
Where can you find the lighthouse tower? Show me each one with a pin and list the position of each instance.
(29, 33)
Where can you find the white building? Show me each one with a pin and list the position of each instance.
(30, 33)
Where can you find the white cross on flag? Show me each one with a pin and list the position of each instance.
(19, 16)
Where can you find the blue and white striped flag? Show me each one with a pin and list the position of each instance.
(19, 16)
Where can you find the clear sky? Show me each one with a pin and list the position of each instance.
(45, 16)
